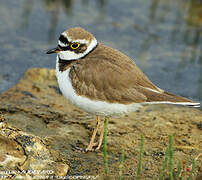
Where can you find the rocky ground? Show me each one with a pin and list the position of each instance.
(39, 130)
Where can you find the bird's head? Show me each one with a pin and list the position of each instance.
(74, 43)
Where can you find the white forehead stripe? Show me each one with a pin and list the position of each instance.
(82, 41)
(62, 44)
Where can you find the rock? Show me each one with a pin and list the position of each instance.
(28, 154)
(41, 129)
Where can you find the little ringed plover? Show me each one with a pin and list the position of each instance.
(103, 81)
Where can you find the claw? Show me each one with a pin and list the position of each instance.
(85, 150)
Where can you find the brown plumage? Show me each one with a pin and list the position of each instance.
(108, 75)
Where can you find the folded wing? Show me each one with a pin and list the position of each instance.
(118, 80)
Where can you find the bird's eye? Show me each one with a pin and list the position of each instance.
(75, 45)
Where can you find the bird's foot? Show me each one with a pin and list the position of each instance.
(91, 148)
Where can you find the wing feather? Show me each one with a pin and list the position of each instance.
(108, 75)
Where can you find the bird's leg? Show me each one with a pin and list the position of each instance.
(91, 144)
(101, 137)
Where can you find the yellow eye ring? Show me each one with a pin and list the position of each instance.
(75, 45)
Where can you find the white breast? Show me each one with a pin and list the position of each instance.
(91, 106)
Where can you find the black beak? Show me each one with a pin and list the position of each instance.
(54, 50)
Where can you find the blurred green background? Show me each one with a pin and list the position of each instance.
(163, 37)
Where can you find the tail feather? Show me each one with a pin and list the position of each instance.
(182, 100)
(169, 98)
(175, 98)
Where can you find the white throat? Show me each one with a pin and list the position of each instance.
(70, 55)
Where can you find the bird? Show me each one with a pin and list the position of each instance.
(104, 81)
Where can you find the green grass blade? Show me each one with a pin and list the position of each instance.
(179, 168)
(139, 170)
(165, 162)
(192, 169)
(171, 157)
(105, 147)
(121, 165)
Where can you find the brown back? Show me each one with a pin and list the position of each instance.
(108, 75)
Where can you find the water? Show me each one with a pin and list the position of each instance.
(164, 37)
